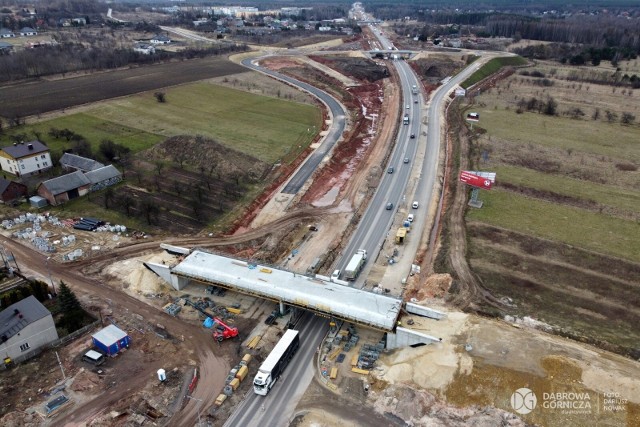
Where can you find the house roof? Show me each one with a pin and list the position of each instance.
(5, 31)
(109, 335)
(5, 183)
(18, 151)
(5, 45)
(102, 174)
(67, 182)
(79, 162)
(160, 37)
(29, 310)
(27, 30)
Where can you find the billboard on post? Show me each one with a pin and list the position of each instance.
(475, 180)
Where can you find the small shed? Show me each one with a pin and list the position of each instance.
(38, 202)
(11, 190)
(111, 340)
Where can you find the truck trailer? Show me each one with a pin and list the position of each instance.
(355, 265)
(276, 361)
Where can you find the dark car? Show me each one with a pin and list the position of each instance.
(413, 135)
(389, 206)
(390, 170)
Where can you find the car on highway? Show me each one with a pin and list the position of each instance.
(407, 107)
(406, 160)
(413, 135)
(389, 206)
(415, 205)
(415, 101)
(335, 275)
(390, 170)
(410, 218)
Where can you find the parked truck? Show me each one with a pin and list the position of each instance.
(405, 119)
(276, 361)
(355, 265)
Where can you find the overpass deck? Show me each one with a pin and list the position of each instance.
(323, 297)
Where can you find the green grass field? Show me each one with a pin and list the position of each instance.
(608, 139)
(574, 226)
(265, 127)
(604, 194)
(491, 67)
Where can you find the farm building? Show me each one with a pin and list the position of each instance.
(103, 177)
(73, 162)
(5, 48)
(11, 190)
(160, 39)
(25, 158)
(24, 327)
(6, 33)
(64, 188)
(145, 49)
(28, 31)
(111, 340)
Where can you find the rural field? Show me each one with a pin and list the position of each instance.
(198, 157)
(557, 237)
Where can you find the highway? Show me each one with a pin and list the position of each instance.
(275, 409)
(336, 129)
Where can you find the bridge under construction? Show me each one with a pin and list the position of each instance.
(310, 293)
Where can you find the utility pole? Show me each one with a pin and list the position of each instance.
(64, 377)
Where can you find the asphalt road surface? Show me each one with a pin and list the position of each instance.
(276, 408)
(335, 131)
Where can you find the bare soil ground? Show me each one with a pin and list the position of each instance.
(29, 99)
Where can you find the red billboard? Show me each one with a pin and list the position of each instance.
(475, 180)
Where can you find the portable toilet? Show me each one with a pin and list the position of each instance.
(111, 340)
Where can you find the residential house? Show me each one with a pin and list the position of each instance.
(103, 177)
(143, 48)
(160, 39)
(28, 31)
(6, 33)
(5, 48)
(11, 190)
(25, 326)
(64, 188)
(25, 158)
(73, 162)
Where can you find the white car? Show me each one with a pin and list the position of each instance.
(335, 275)
(410, 218)
(415, 205)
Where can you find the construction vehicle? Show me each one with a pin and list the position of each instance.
(355, 264)
(222, 331)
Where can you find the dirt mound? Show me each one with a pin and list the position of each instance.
(199, 153)
(434, 69)
(436, 286)
(85, 380)
(421, 408)
(360, 68)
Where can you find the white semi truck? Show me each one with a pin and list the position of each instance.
(355, 265)
(276, 361)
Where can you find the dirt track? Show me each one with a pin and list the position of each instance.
(203, 347)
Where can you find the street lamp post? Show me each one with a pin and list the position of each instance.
(198, 408)
(53, 287)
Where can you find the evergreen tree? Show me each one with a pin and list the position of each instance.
(67, 300)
